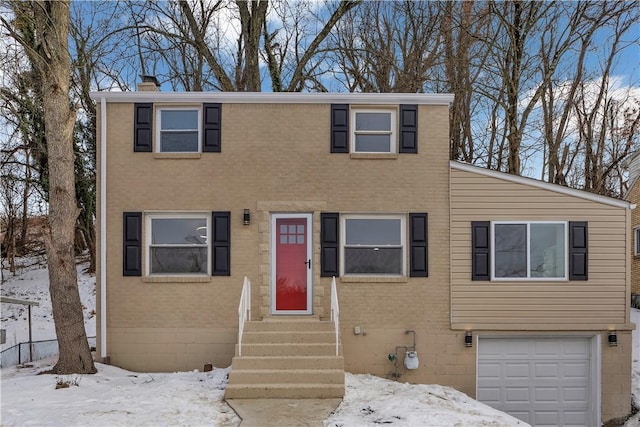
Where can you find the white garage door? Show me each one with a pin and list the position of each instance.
(542, 381)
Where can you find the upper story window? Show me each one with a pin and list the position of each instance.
(373, 245)
(636, 241)
(178, 244)
(530, 250)
(374, 131)
(178, 130)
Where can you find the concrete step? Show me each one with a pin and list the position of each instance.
(284, 391)
(287, 358)
(304, 325)
(288, 362)
(280, 337)
(289, 376)
(289, 349)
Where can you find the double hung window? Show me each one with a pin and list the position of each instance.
(178, 244)
(178, 130)
(530, 250)
(373, 245)
(374, 131)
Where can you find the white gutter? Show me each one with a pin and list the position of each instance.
(278, 97)
(103, 227)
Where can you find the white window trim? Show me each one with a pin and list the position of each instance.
(148, 236)
(403, 242)
(393, 143)
(159, 127)
(529, 278)
(636, 240)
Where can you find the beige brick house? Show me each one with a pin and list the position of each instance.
(633, 195)
(503, 287)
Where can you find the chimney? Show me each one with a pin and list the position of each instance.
(149, 84)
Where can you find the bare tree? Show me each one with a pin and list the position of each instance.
(23, 160)
(389, 46)
(42, 28)
(96, 41)
(463, 25)
(219, 45)
(564, 101)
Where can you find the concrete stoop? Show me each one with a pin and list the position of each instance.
(287, 358)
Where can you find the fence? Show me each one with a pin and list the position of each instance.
(28, 352)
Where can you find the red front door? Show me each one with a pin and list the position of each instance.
(292, 263)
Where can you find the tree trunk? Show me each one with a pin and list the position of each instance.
(25, 205)
(50, 58)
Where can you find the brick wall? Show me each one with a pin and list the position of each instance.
(634, 197)
(276, 158)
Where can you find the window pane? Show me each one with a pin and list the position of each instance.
(179, 119)
(547, 250)
(373, 143)
(373, 260)
(372, 231)
(179, 141)
(637, 237)
(179, 260)
(179, 231)
(511, 250)
(373, 121)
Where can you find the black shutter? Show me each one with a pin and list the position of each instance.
(339, 128)
(329, 244)
(132, 244)
(419, 253)
(142, 127)
(211, 119)
(408, 129)
(221, 248)
(578, 250)
(480, 250)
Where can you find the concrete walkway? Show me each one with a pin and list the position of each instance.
(283, 412)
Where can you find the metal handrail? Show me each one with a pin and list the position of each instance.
(244, 310)
(335, 313)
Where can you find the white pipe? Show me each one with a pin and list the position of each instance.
(103, 227)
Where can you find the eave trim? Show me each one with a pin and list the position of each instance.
(277, 98)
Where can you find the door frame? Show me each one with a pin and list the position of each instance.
(272, 248)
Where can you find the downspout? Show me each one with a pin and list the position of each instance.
(103, 228)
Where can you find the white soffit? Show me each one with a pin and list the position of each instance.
(277, 97)
(531, 182)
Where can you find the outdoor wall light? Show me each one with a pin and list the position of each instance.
(246, 217)
(468, 339)
(613, 339)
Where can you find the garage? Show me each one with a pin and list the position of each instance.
(544, 381)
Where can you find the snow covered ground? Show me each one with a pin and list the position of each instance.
(31, 283)
(116, 397)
